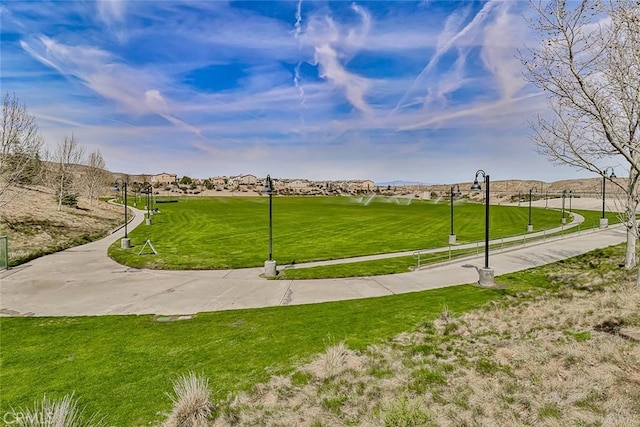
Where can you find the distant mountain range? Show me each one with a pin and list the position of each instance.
(400, 183)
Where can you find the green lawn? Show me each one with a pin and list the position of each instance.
(404, 264)
(218, 233)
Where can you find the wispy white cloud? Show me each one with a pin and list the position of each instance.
(293, 89)
(355, 87)
(111, 11)
(451, 36)
(333, 46)
(132, 89)
(498, 53)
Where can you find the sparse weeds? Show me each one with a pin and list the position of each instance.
(406, 413)
(424, 379)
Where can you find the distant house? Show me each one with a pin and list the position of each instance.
(236, 181)
(248, 180)
(219, 181)
(362, 185)
(297, 184)
(164, 178)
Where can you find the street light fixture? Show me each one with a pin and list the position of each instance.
(486, 273)
(604, 222)
(125, 243)
(570, 197)
(564, 195)
(147, 190)
(530, 225)
(270, 264)
(452, 235)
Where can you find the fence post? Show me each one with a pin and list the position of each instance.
(4, 253)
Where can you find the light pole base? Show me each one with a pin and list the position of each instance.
(270, 268)
(604, 223)
(529, 228)
(486, 276)
(125, 243)
(564, 220)
(147, 220)
(452, 239)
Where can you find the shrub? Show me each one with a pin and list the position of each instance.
(192, 406)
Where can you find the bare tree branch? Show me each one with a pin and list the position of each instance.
(60, 177)
(588, 64)
(94, 177)
(21, 143)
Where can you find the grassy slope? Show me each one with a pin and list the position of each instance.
(121, 366)
(233, 232)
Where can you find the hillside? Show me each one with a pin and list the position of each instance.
(35, 227)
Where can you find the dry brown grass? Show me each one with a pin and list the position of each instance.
(545, 360)
(33, 223)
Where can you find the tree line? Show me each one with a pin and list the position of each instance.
(23, 161)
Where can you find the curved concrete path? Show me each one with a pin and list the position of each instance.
(84, 281)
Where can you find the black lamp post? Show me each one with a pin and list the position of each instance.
(456, 187)
(604, 222)
(486, 273)
(125, 243)
(546, 200)
(530, 225)
(570, 197)
(146, 190)
(564, 194)
(270, 264)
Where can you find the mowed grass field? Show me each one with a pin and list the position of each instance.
(228, 232)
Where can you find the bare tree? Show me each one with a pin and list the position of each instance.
(588, 65)
(60, 177)
(21, 143)
(95, 176)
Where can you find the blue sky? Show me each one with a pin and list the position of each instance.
(386, 90)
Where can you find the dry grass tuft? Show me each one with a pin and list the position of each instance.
(192, 406)
(332, 362)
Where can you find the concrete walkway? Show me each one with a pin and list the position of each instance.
(84, 281)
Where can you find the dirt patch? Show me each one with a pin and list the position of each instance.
(34, 225)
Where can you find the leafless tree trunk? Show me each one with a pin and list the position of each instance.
(60, 177)
(95, 176)
(21, 143)
(588, 65)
